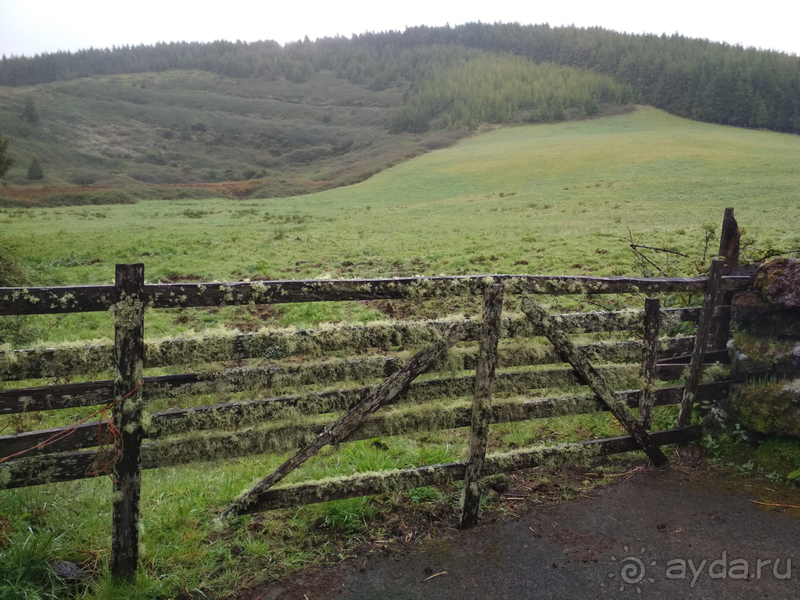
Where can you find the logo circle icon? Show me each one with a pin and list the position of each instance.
(632, 570)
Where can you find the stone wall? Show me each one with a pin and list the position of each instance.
(766, 351)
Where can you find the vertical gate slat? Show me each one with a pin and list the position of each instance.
(703, 330)
(652, 317)
(129, 361)
(481, 403)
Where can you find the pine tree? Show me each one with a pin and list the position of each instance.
(5, 160)
(35, 170)
(29, 113)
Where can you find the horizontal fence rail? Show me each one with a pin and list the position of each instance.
(94, 298)
(72, 359)
(245, 440)
(405, 479)
(33, 399)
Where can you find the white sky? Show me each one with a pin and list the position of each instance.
(32, 26)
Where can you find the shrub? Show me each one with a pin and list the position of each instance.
(35, 170)
(87, 198)
(85, 178)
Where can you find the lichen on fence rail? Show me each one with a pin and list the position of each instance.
(363, 484)
(93, 298)
(221, 294)
(69, 359)
(245, 438)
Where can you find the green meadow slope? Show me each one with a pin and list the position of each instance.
(560, 198)
(282, 135)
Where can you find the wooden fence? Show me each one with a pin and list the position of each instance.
(509, 360)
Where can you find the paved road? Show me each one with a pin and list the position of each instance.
(618, 545)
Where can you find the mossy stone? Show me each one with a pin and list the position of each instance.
(772, 409)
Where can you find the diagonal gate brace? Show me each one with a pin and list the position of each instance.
(569, 353)
(341, 428)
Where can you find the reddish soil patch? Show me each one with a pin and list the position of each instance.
(231, 189)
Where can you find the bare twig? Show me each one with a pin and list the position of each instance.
(654, 265)
(774, 253)
(773, 504)
(668, 250)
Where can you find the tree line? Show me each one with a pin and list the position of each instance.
(694, 78)
(475, 87)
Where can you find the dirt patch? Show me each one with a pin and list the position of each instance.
(253, 318)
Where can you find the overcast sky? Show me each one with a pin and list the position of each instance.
(32, 26)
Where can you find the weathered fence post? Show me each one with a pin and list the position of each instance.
(729, 248)
(129, 361)
(703, 330)
(652, 319)
(481, 403)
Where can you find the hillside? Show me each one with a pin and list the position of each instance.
(562, 198)
(195, 127)
(693, 78)
(307, 116)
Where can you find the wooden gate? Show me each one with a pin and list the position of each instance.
(501, 355)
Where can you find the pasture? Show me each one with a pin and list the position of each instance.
(546, 199)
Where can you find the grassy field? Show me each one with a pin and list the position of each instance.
(561, 199)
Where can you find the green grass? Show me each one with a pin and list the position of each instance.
(563, 198)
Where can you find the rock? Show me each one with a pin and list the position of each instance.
(779, 282)
(753, 356)
(772, 409)
(772, 306)
(69, 571)
(794, 357)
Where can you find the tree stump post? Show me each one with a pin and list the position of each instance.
(129, 361)
(481, 403)
(729, 241)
